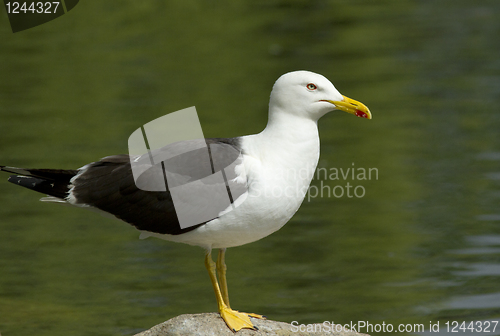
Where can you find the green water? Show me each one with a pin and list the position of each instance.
(422, 244)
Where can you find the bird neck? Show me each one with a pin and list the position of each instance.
(290, 141)
(290, 129)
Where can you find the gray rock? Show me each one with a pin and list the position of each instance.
(211, 324)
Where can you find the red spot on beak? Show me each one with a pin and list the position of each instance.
(361, 114)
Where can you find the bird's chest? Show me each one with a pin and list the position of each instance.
(283, 181)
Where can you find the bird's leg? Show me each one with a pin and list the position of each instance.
(234, 319)
(221, 273)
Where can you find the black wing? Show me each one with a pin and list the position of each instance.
(109, 185)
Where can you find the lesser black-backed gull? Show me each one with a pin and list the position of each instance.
(289, 143)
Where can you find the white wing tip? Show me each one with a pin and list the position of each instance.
(52, 199)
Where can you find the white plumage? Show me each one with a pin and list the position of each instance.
(279, 163)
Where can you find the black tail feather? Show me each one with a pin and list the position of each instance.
(53, 182)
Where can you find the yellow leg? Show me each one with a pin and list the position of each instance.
(221, 273)
(234, 319)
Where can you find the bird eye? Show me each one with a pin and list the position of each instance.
(311, 86)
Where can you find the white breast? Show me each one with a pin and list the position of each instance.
(279, 170)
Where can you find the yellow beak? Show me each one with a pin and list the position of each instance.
(353, 107)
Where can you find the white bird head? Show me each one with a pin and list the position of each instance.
(311, 95)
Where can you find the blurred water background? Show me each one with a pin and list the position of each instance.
(421, 245)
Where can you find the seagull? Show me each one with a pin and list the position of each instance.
(267, 166)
